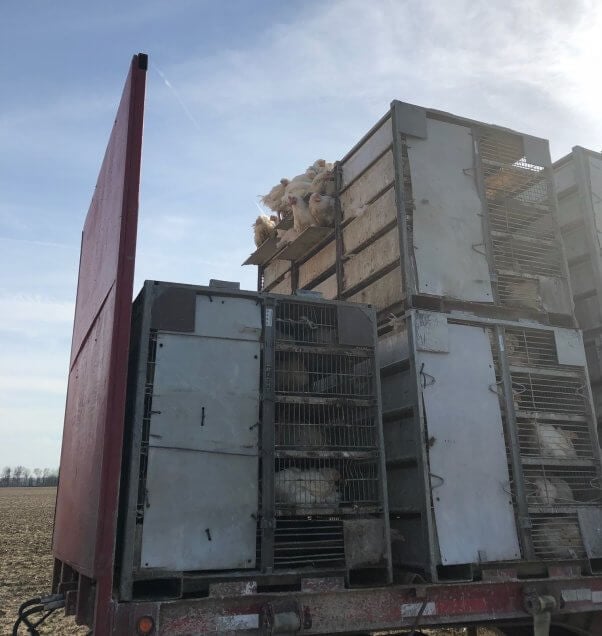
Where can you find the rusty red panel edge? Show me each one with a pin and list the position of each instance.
(90, 469)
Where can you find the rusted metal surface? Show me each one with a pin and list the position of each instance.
(337, 610)
(86, 510)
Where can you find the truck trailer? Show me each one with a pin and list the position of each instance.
(370, 537)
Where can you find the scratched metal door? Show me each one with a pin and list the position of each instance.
(468, 469)
(202, 476)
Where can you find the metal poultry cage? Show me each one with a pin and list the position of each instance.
(327, 451)
(254, 441)
(492, 449)
(579, 190)
(436, 212)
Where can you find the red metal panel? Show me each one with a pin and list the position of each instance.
(86, 507)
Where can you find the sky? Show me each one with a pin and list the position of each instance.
(239, 94)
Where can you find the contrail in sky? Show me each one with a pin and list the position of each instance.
(185, 108)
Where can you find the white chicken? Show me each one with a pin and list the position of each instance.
(321, 208)
(284, 237)
(550, 491)
(554, 441)
(299, 186)
(264, 228)
(323, 183)
(318, 165)
(564, 493)
(307, 487)
(274, 198)
(302, 217)
(543, 493)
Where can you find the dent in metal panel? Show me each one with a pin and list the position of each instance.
(469, 472)
(590, 522)
(411, 120)
(537, 151)
(569, 347)
(449, 248)
(595, 175)
(206, 394)
(368, 152)
(227, 317)
(199, 512)
(555, 296)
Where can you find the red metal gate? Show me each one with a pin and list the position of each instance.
(87, 499)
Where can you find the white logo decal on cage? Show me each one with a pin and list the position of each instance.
(268, 317)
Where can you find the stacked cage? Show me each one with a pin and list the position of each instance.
(551, 426)
(272, 403)
(327, 449)
(441, 217)
(522, 229)
(579, 190)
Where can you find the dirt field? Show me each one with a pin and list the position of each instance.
(26, 516)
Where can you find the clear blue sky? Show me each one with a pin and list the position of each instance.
(258, 91)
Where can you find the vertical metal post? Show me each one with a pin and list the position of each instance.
(338, 233)
(260, 269)
(382, 466)
(485, 223)
(267, 437)
(294, 277)
(426, 513)
(520, 493)
(408, 272)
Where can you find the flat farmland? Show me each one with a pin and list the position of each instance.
(26, 516)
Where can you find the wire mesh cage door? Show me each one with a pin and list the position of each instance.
(554, 430)
(327, 447)
(524, 239)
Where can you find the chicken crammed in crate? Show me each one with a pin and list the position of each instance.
(255, 440)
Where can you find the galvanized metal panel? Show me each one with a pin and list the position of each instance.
(206, 393)
(569, 347)
(564, 174)
(537, 150)
(469, 472)
(595, 175)
(590, 522)
(200, 511)
(449, 247)
(432, 333)
(86, 510)
(227, 317)
(411, 120)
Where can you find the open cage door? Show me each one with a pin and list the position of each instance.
(87, 499)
